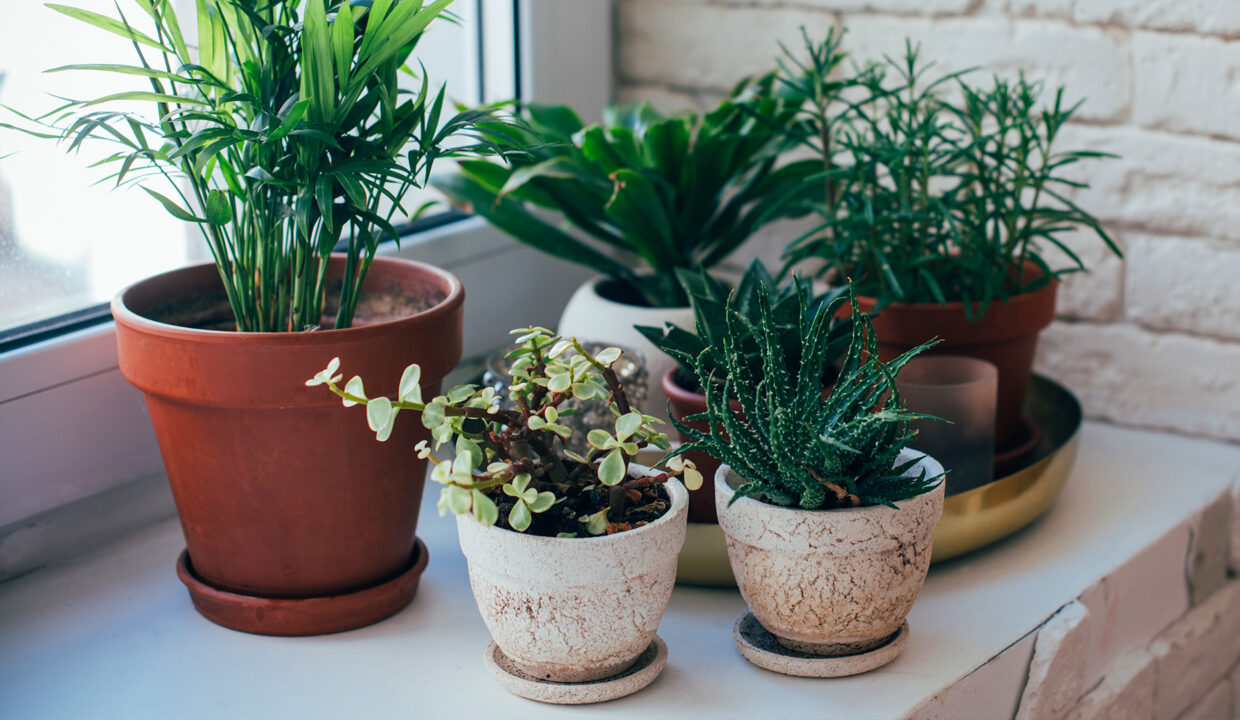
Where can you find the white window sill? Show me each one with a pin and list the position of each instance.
(113, 634)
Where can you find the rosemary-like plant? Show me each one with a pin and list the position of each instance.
(795, 446)
(514, 466)
(926, 199)
(280, 134)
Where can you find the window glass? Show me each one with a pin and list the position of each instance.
(67, 241)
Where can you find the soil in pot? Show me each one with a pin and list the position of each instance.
(642, 505)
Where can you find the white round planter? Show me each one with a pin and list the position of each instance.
(575, 609)
(830, 582)
(590, 316)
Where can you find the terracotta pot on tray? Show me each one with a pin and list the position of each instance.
(296, 520)
(1007, 335)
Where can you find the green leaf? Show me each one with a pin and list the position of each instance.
(342, 41)
(598, 439)
(519, 517)
(596, 524)
(173, 208)
(542, 502)
(485, 511)
(469, 451)
(354, 388)
(455, 498)
(611, 471)
(433, 417)
(559, 383)
(219, 210)
(112, 25)
(608, 356)
(628, 424)
(410, 389)
(378, 411)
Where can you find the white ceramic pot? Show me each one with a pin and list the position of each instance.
(590, 316)
(575, 609)
(830, 582)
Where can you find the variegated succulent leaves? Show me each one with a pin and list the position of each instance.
(517, 458)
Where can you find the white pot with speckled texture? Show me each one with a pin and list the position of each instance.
(575, 609)
(830, 582)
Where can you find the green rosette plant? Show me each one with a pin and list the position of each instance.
(710, 299)
(282, 135)
(513, 467)
(932, 189)
(796, 446)
(666, 192)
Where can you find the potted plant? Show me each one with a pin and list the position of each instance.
(819, 496)
(282, 136)
(571, 556)
(940, 208)
(663, 192)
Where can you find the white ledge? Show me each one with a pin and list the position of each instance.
(113, 634)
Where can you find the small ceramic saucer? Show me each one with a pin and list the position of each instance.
(637, 676)
(762, 649)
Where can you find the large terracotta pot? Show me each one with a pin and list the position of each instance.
(1007, 335)
(854, 572)
(283, 494)
(593, 314)
(574, 609)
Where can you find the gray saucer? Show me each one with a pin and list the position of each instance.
(637, 676)
(762, 649)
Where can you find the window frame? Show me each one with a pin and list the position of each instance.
(73, 427)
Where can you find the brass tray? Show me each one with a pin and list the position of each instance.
(980, 516)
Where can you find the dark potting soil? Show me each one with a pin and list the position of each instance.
(642, 507)
(374, 307)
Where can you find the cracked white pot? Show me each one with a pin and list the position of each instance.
(830, 582)
(575, 609)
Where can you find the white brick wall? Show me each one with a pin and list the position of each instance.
(1152, 341)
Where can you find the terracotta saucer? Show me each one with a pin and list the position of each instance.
(638, 675)
(304, 616)
(762, 649)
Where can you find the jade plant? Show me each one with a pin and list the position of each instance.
(788, 301)
(930, 188)
(282, 134)
(793, 445)
(513, 467)
(679, 191)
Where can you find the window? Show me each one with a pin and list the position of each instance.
(68, 241)
(71, 425)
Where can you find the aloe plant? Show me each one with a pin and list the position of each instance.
(791, 445)
(703, 345)
(282, 133)
(672, 192)
(925, 198)
(514, 466)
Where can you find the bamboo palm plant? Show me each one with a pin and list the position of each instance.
(673, 192)
(281, 134)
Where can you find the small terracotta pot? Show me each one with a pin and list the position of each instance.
(283, 493)
(689, 402)
(830, 582)
(574, 609)
(1007, 335)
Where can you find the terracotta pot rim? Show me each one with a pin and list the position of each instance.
(933, 467)
(453, 290)
(675, 489)
(673, 388)
(958, 306)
